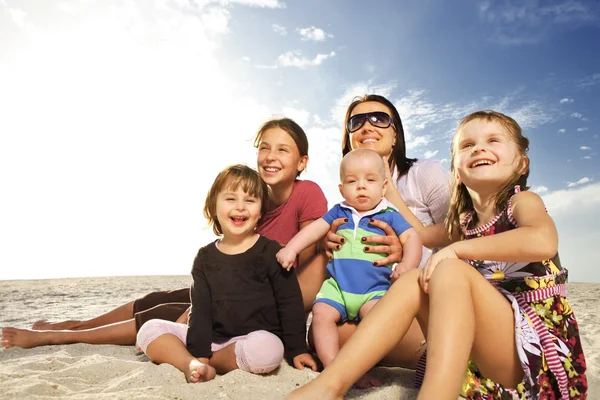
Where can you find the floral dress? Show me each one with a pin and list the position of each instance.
(547, 334)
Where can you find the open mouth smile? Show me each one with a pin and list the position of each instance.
(479, 163)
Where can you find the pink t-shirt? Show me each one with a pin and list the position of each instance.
(306, 203)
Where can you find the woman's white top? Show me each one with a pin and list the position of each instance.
(425, 189)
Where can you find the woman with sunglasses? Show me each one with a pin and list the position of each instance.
(373, 122)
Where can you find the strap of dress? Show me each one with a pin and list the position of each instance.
(509, 207)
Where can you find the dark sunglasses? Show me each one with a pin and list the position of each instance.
(378, 119)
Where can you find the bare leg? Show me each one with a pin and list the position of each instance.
(367, 380)
(170, 349)
(224, 360)
(461, 299)
(118, 333)
(119, 314)
(387, 322)
(325, 319)
(311, 276)
(480, 316)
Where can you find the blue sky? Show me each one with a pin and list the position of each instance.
(117, 115)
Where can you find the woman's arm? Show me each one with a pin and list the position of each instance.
(534, 239)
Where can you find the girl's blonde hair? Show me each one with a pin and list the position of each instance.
(231, 178)
(460, 200)
(292, 128)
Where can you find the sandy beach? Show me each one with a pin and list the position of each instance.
(83, 371)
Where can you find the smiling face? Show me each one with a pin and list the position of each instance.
(486, 155)
(368, 136)
(237, 212)
(279, 159)
(363, 179)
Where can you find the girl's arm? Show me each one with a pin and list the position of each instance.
(534, 239)
(199, 335)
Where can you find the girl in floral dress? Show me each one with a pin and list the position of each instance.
(507, 320)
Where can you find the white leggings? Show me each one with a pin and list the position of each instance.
(258, 352)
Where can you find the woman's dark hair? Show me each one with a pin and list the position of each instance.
(398, 157)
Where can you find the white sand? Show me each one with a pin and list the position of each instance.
(82, 371)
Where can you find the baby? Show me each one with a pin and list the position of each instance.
(355, 285)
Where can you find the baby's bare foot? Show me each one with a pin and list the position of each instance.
(367, 381)
(200, 372)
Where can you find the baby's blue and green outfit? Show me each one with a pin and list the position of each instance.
(354, 280)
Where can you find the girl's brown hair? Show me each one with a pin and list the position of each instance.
(232, 178)
(460, 199)
(398, 157)
(292, 128)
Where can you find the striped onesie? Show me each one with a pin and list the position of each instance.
(354, 280)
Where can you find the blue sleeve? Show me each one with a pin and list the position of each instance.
(397, 222)
(333, 214)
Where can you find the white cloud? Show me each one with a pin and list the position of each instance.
(568, 200)
(575, 212)
(296, 59)
(577, 115)
(246, 58)
(430, 154)
(524, 23)
(18, 16)
(562, 130)
(590, 81)
(582, 181)
(566, 101)
(302, 117)
(587, 157)
(539, 189)
(313, 33)
(254, 3)
(585, 148)
(119, 149)
(280, 30)
(582, 129)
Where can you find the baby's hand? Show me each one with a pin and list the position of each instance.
(286, 257)
(305, 360)
(399, 270)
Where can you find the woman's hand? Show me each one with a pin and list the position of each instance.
(388, 244)
(305, 360)
(432, 263)
(333, 241)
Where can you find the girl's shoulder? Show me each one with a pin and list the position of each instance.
(306, 187)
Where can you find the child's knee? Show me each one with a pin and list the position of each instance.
(446, 273)
(260, 352)
(153, 329)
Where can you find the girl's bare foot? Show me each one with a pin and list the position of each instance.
(367, 381)
(315, 390)
(200, 372)
(25, 338)
(44, 325)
